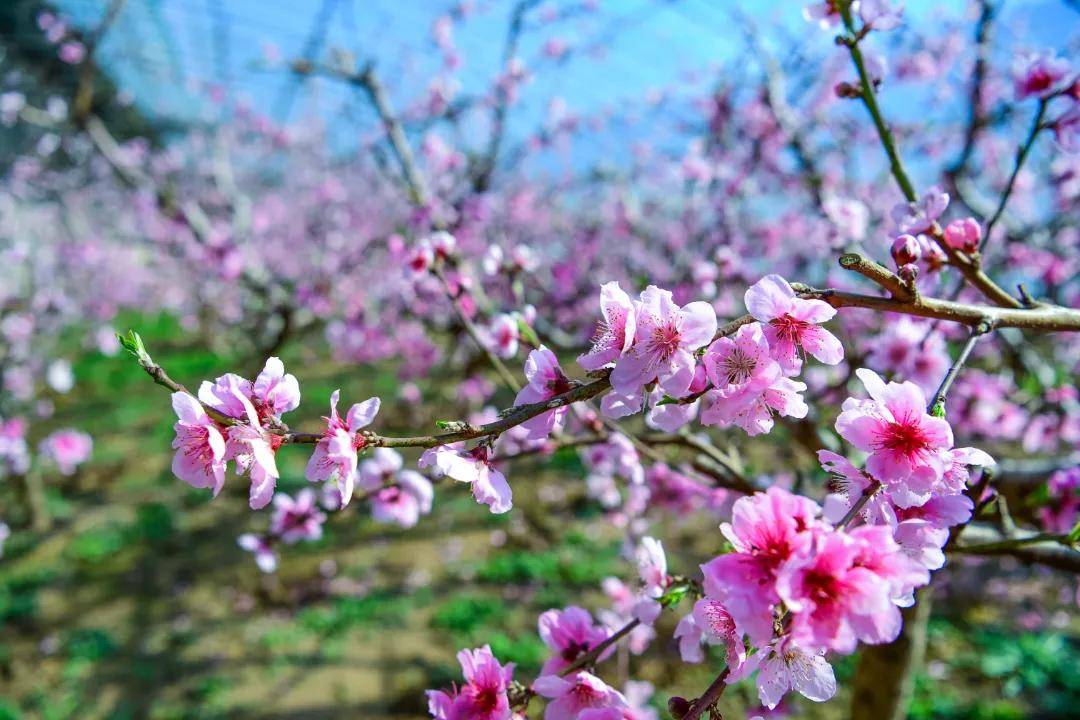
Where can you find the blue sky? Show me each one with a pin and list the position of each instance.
(162, 49)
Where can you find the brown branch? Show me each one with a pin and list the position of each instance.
(369, 81)
(877, 273)
(709, 697)
(470, 327)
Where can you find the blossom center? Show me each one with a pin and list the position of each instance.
(737, 366)
(665, 340)
(788, 328)
(906, 437)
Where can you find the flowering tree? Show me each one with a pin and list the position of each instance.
(700, 344)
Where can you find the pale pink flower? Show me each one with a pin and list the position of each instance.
(749, 384)
(915, 218)
(68, 449)
(297, 519)
(652, 566)
(670, 416)
(664, 341)
(404, 503)
(846, 486)
(443, 243)
(615, 334)
(503, 335)
(825, 13)
(922, 541)
(336, 454)
(263, 550)
(689, 635)
(792, 324)
(272, 394)
(1040, 76)
(569, 634)
(275, 392)
(652, 569)
(718, 627)
(420, 258)
(785, 666)
(904, 441)
(546, 380)
(880, 14)
(72, 53)
(484, 694)
(254, 450)
(850, 216)
(908, 348)
(1067, 129)
(475, 467)
(572, 696)
(199, 445)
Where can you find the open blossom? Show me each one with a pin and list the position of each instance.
(1063, 508)
(254, 448)
(918, 217)
(420, 258)
(904, 441)
(665, 337)
(502, 335)
(484, 694)
(475, 467)
(398, 496)
(749, 384)
(1038, 76)
(710, 622)
(68, 449)
(826, 13)
(573, 696)
(766, 530)
(298, 518)
(199, 445)
(262, 548)
(908, 348)
(336, 453)
(569, 634)
(846, 486)
(833, 600)
(652, 568)
(623, 602)
(616, 332)
(792, 324)
(784, 666)
(670, 416)
(273, 393)
(546, 380)
(880, 14)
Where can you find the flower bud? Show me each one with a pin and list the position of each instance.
(964, 235)
(905, 250)
(909, 273)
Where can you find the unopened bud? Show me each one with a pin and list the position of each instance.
(964, 235)
(847, 90)
(906, 250)
(909, 273)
